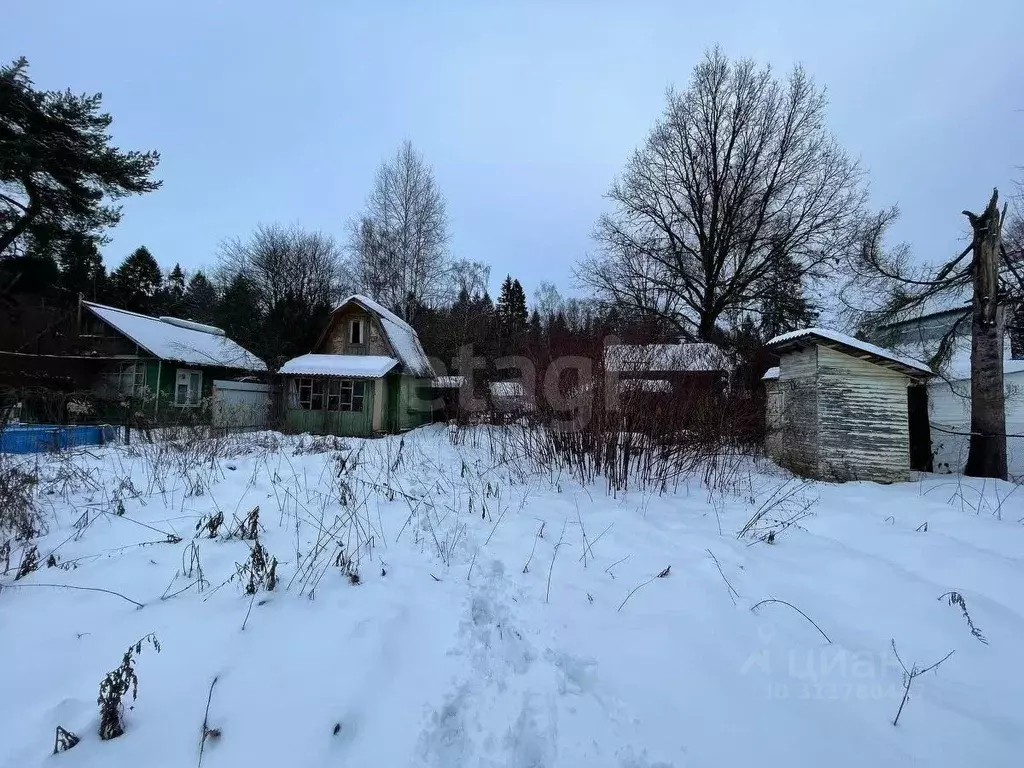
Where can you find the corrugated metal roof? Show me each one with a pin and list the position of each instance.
(351, 366)
(859, 348)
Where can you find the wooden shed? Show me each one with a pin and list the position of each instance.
(837, 407)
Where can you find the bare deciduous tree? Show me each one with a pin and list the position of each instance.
(399, 247)
(738, 180)
(285, 261)
(469, 277)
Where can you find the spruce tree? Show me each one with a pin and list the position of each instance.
(784, 303)
(135, 284)
(238, 313)
(200, 301)
(81, 267)
(173, 298)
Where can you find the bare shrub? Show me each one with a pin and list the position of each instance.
(259, 571)
(210, 524)
(309, 445)
(20, 516)
(116, 685)
(784, 507)
(909, 675)
(248, 528)
(957, 600)
(63, 740)
(29, 563)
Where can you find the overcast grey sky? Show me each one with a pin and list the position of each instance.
(280, 111)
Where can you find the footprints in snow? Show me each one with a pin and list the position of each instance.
(506, 712)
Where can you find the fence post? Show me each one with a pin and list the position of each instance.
(127, 423)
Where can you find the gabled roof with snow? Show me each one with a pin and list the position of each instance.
(402, 337)
(678, 358)
(851, 346)
(350, 366)
(177, 340)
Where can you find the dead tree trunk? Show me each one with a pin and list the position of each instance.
(987, 456)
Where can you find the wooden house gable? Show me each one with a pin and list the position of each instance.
(354, 331)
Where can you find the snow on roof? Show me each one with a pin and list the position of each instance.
(507, 389)
(770, 374)
(851, 343)
(180, 340)
(685, 357)
(448, 382)
(644, 385)
(192, 325)
(352, 366)
(402, 336)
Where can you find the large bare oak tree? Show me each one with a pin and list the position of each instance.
(738, 184)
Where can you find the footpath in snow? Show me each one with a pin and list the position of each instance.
(438, 604)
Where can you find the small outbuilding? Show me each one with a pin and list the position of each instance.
(837, 407)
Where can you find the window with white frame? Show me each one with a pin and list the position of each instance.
(355, 334)
(126, 379)
(331, 394)
(188, 388)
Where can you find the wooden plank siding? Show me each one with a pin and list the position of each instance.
(863, 423)
(344, 423)
(838, 417)
(337, 339)
(798, 388)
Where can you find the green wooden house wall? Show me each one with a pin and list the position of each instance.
(401, 410)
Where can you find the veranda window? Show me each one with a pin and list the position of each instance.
(331, 394)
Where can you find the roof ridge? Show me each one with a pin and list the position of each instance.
(376, 307)
(119, 309)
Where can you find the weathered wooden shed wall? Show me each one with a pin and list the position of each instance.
(838, 417)
(863, 419)
(798, 403)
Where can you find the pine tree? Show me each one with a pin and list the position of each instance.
(57, 167)
(200, 300)
(136, 283)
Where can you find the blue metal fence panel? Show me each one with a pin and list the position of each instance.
(37, 438)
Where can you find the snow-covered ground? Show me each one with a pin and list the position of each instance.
(474, 638)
